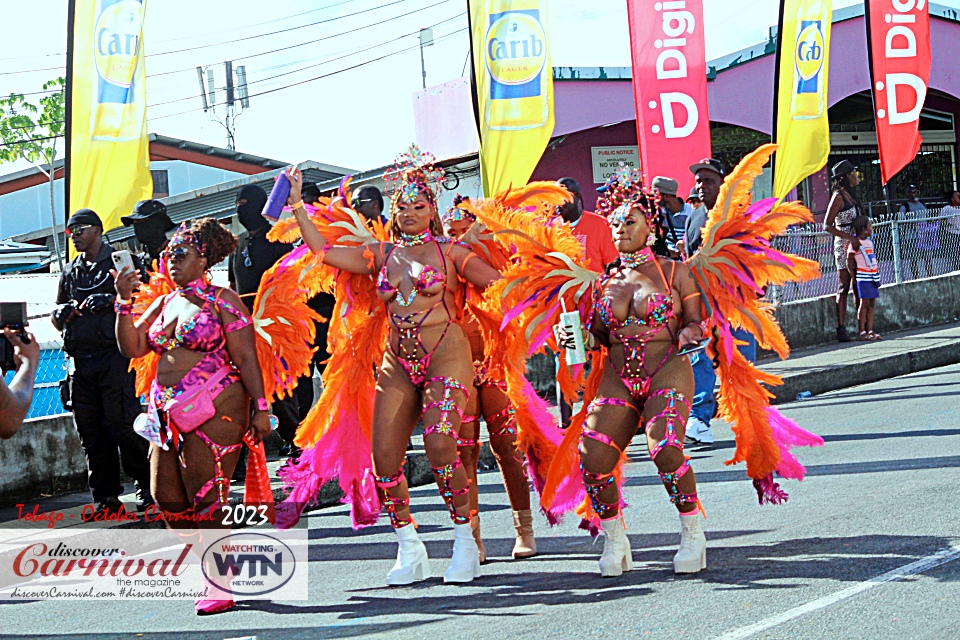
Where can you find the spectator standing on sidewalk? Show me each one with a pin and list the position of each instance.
(150, 226)
(928, 236)
(951, 213)
(910, 215)
(844, 207)
(594, 234)
(674, 211)
(865, 270)
(253, 257)
(368, 201)
(15, 400)
(105, 403)
(709, 173)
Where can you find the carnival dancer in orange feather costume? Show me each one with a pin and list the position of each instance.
(640, 315)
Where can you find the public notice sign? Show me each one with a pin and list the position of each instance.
(606, 160)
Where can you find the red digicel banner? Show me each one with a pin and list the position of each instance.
(670, 87)
(899, 35)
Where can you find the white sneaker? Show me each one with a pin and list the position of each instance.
(699, 431)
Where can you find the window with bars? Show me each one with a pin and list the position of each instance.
(932, 170)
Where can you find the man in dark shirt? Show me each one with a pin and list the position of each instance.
(150, 226)
(105, 403)
(368, 201)
(253, 257)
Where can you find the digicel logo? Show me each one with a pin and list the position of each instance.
(904, 92)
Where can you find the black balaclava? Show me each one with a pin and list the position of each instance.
(151, 233)
(249, 213)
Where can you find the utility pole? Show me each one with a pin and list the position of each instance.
(426, 40)
(235, 91)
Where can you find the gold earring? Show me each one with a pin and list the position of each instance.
(651, 240)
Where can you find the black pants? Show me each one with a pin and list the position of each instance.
(304, 390)
(104, 408)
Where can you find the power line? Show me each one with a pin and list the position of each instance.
(320, 77)
(327, 61)
(294, 84)
(271, 51)
(308, 42)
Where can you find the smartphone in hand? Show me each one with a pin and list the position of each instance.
(122, 260)
(693, 347)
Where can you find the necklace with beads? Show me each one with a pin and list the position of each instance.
(408, 240)
(637, 258)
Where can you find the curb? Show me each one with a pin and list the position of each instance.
(859, 373)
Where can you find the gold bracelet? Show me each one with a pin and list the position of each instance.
(296, 205)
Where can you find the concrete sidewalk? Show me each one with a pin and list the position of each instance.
(839, 366)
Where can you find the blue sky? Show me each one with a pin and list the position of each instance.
(358, 118)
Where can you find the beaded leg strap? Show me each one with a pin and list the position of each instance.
(468, 442)
(447, 405)
(391, 503)
(444, 476)
(595, 483)
(219, 479)
(504, 423)
(671, 416)
(615, 402)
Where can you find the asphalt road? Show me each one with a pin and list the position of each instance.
(867, 547)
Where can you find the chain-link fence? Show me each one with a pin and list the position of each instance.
(46, 392)
(909, 246)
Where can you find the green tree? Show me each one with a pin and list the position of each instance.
(31, 132)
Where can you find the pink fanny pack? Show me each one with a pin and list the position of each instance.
(193, 407)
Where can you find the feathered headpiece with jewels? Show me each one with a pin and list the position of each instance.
(183, 235)
(624, 190)
(455, 213)
(414, 172)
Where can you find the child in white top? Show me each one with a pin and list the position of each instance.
(864, 268)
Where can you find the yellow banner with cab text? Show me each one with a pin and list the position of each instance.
(109, 151)
(801, 127)
(513, 88)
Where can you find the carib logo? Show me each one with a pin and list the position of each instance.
(516, 58)
(808, 63)
(116, 52)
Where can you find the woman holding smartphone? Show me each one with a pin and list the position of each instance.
(206, 340)
(645, 309)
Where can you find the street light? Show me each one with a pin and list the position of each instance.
(426, 40)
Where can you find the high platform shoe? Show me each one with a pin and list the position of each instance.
(692, 556)
(616, 557)
(465, 563)
(412, 562)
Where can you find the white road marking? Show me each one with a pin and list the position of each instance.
(943, 556)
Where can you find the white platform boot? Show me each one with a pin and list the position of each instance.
(616, 557)
(465, 563)
(692, 556)
(412, 562)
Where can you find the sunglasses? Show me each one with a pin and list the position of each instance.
(78, 229)
(177, 254)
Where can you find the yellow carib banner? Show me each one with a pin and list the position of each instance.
(514, 88)
(800, 115)
(109, 158)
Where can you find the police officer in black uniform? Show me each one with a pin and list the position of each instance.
(102, 387)
(150, 226)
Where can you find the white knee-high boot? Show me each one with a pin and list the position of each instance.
(412, 562)
(465, 563)
(692, 556)
(616, 557)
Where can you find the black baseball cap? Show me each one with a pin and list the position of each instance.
(709, 164)
(149, 209)
(85, 216)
